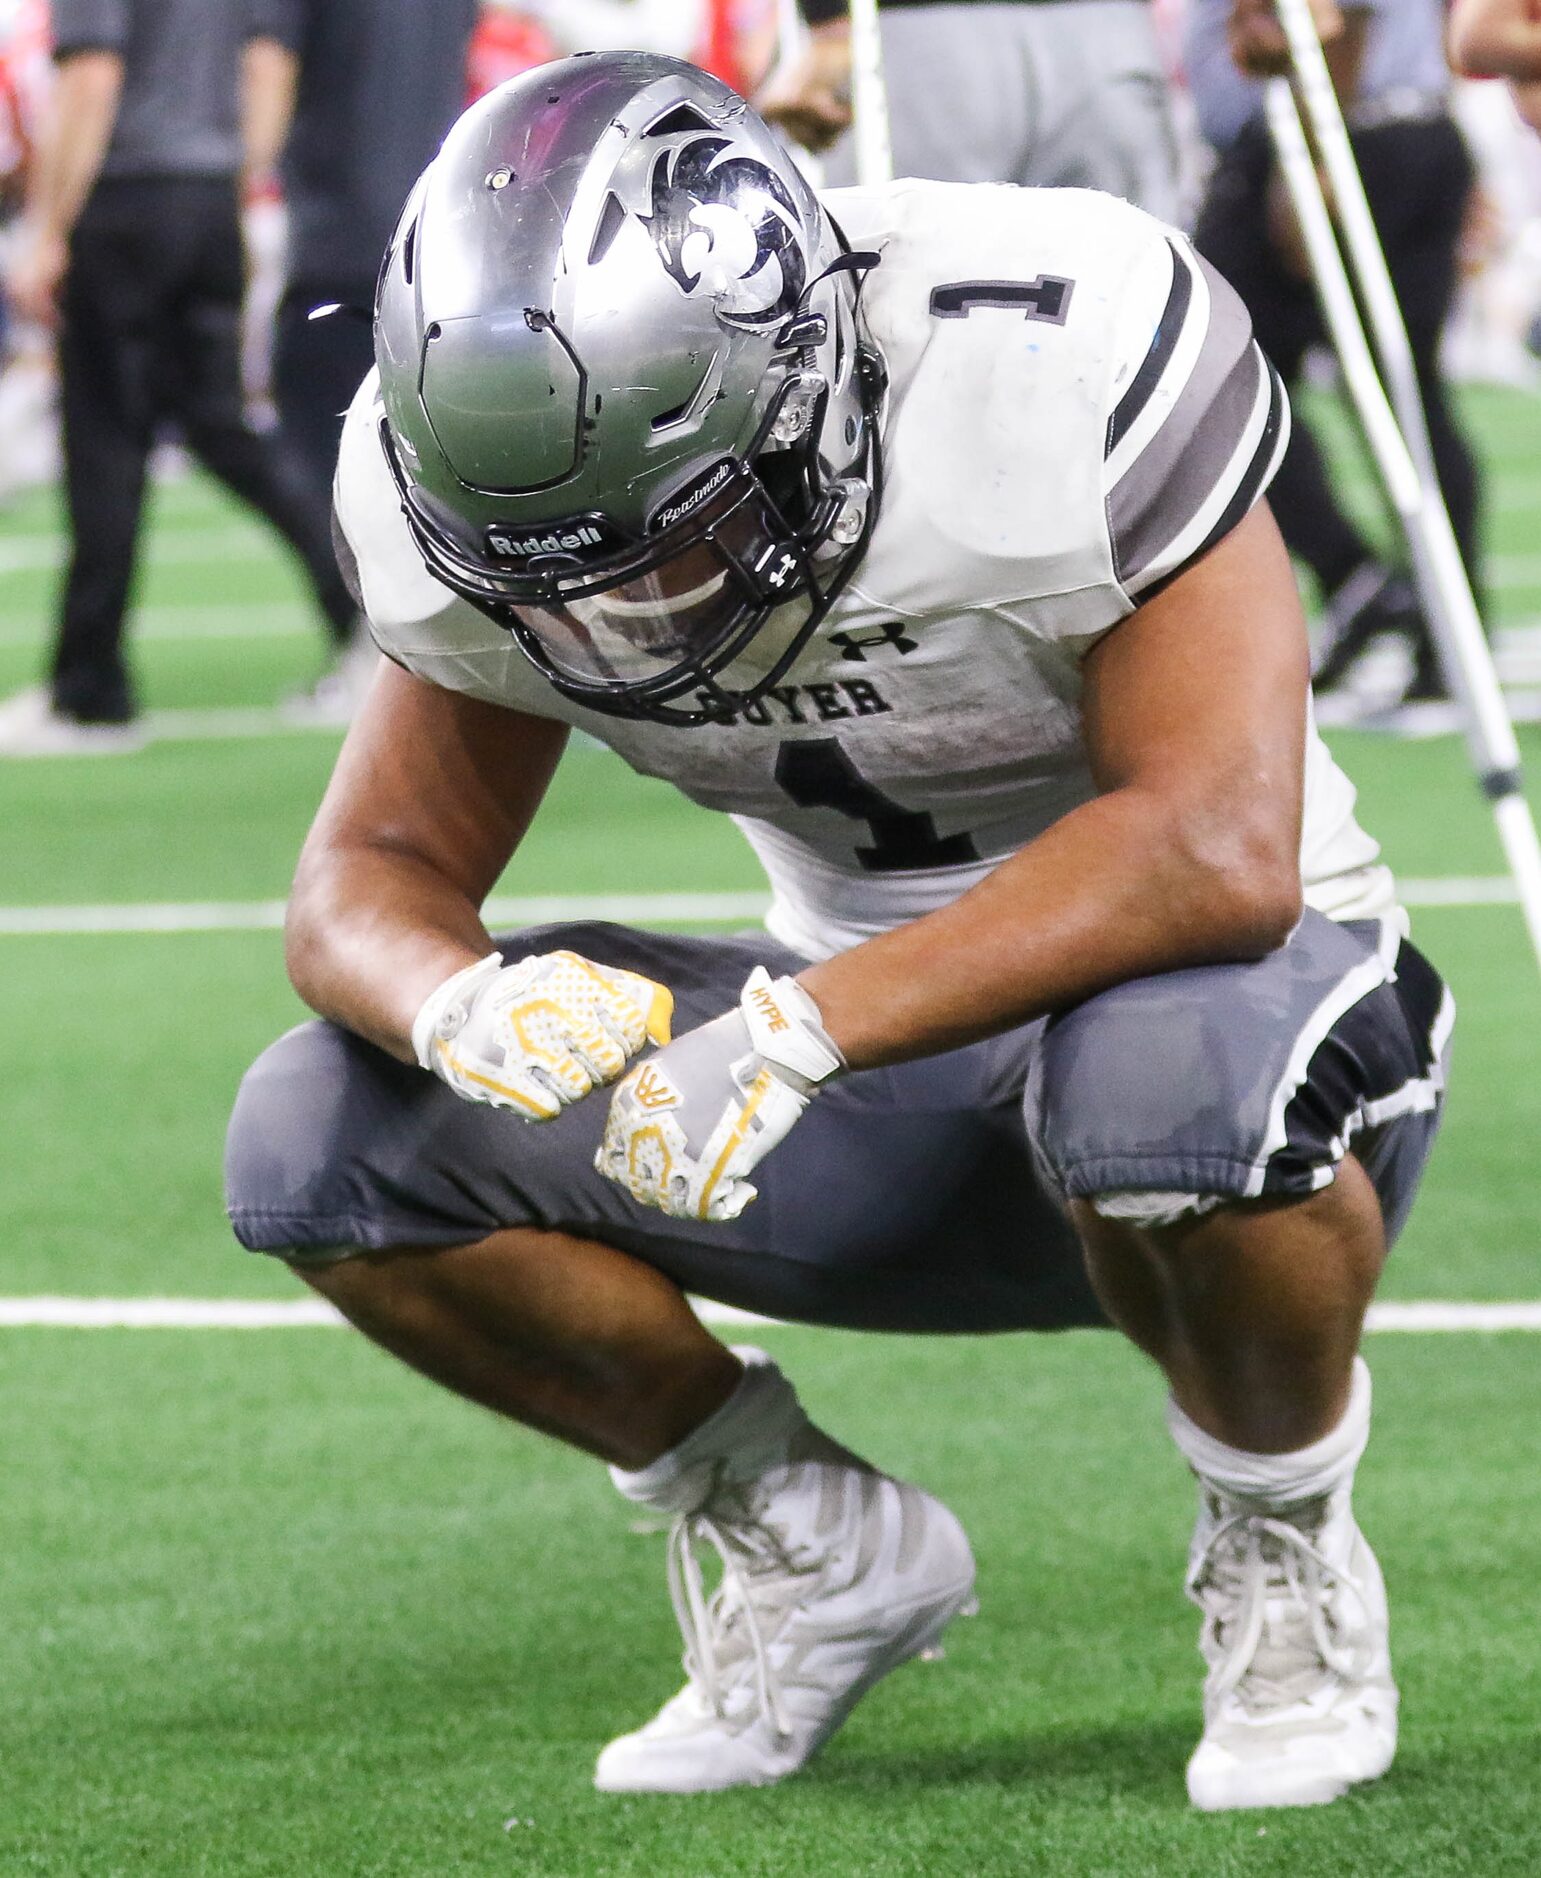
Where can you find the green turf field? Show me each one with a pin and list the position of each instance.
(274, 1606)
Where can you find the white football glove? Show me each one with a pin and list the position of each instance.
(535, 1036)
(689, 1124)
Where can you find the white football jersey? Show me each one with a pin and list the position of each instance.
(1076, 411)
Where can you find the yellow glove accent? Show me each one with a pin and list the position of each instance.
(538, 1035)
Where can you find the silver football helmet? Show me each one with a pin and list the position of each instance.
(627, 402)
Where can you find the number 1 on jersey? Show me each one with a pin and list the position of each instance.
(1047, 298)
(819, 774)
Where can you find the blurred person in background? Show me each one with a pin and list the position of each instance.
(376, 83)
(1389, 64)
(506, 42)
(734, 40)
(24, 79)
(132, 248)
(1068, 93)
(15, 146)
(29, 425)
(738, 41)
(1501, 39)
(672, 26)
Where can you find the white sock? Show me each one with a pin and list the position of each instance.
(1280, 1480)
(750, 1432)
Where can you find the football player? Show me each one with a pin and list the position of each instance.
(920, 531)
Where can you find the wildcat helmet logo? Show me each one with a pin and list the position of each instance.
(726, 228)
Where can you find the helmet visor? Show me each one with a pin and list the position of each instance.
(676, 606)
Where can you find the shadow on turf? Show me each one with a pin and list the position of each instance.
(1132, 1758)
(1143, 1762)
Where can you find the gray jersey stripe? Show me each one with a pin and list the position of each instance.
(1145, 380)
(1260, 470)
(1187, 460)
(1249, 474)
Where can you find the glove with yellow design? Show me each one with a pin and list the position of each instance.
(688, 1125)
(538, 1035)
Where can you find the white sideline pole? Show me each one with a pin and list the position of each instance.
(1401, 450)
(869, 97)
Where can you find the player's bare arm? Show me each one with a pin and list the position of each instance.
(72, 141)
(1496, 39)
(810, 98)
(430, 797)
(1195, 713)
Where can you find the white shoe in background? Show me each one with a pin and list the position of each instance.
(1299, 1703)
(30, 726)
(336, 695)
(832, 1575)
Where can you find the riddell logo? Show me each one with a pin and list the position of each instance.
(768, 1008)
(652, 1092)
(567, 541)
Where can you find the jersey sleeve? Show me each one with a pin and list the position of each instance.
(374, 548)
(1200, 422)
(414, 620)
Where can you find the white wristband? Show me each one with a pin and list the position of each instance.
(444, 1011)
(785, 1027)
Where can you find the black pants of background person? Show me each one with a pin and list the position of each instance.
(150, 335)
(317, 367)
(1418, 177)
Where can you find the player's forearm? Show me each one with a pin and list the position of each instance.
(1121, 888)
(76, 131)
(370, 932)
(1495, 38)
(269, 76)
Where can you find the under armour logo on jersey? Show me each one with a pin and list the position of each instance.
(857, 645)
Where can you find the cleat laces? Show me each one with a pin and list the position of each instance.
(728, 1631)
(1270, 1628)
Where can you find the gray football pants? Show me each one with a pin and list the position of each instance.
(1066, 93)
(925, 1196)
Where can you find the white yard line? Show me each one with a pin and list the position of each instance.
(241, 723)
(21, 554)
(195, 916)
(189, 620)
(1434, 1315)
(1458, 890)
(263, 915)
(48, 1312)
(301, 1313)
(230, 722)
(542, 909)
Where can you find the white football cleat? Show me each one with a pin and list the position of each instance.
(1299, 1703)
(332, 701)
(832, 1575)
(31, 727)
